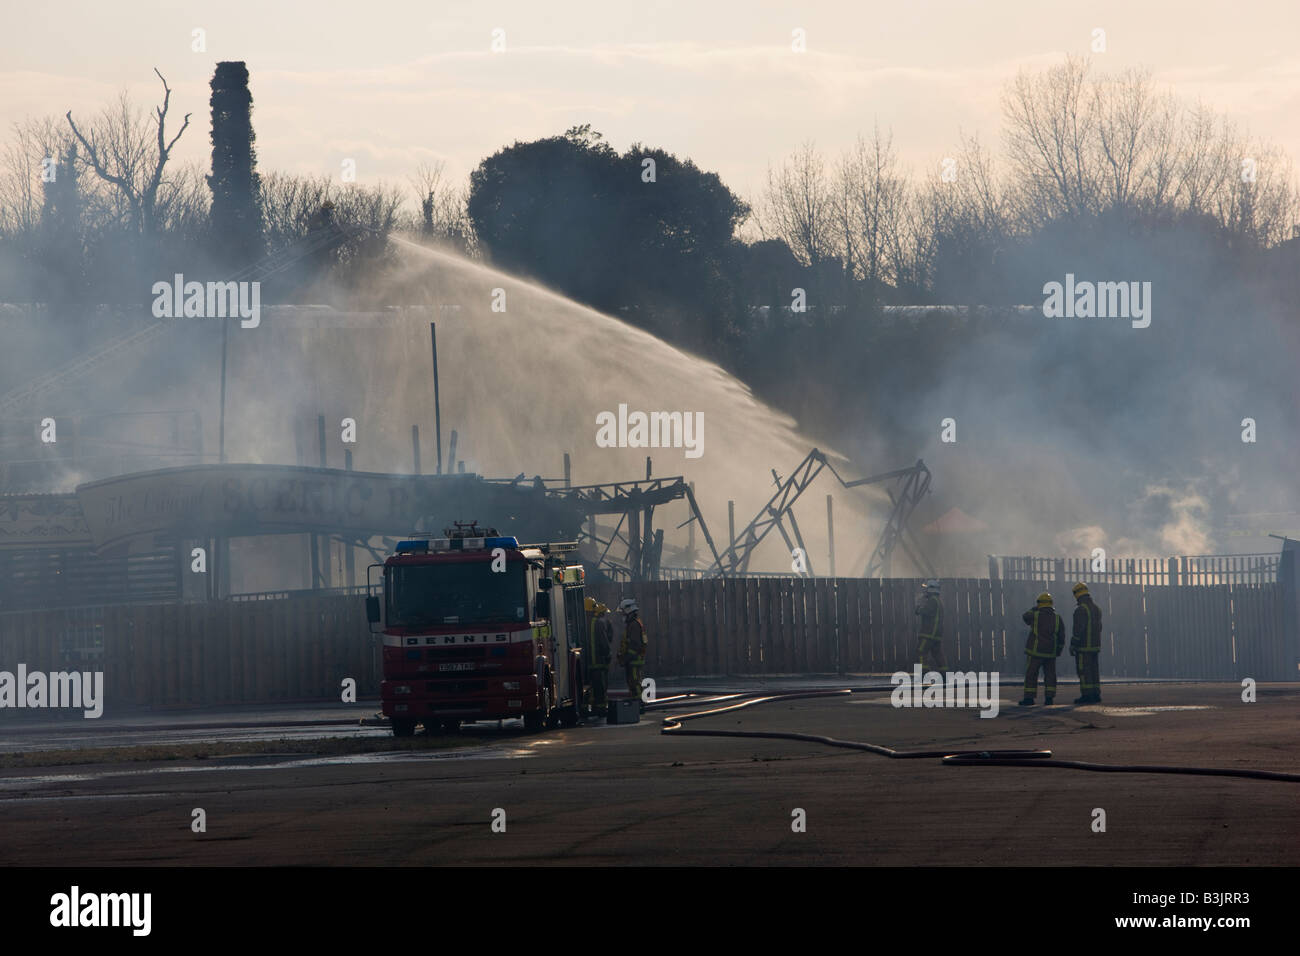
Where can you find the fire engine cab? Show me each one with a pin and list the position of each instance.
(477, 626)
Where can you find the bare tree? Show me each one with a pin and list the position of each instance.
(183, 202)
(1208, 159)
(798, 207)
(443, 208)
(1050, 124)
(959, 222)
(1127, 111)
(375, 207)
(1165, 135)
(35, 144)
(984, 197)
(427, 182)
(288, 203)
(1259, 202)
(869, 204)
(1076, 146)
(843, 213)
(1081, 146)
(917, 238)
(121, 151)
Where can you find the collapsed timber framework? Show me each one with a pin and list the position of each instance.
(914, 484)
(633, 549)
(107, 543)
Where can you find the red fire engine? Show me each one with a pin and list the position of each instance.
(479, 627)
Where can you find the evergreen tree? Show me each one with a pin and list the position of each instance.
(236, 216)
(61, 250)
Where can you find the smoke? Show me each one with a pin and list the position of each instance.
(1076, 433)
(1071, 433)
(1185, 525)
(521, 387)
(1170, 520)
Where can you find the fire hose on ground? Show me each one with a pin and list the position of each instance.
(672, 727)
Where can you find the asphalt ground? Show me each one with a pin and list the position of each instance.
(629, 795)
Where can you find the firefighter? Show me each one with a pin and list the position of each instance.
(600, 636)
(631, 653)
(929, 642)
(588, 605)
(588, 652)
(1086, 645)
(1045, 643)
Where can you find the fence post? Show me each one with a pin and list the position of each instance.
(838, 603)
(1288, 579)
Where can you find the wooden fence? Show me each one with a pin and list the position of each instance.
(302, 647)
(867, 626)
(194, 655)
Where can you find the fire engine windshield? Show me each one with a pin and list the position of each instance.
(456, 593)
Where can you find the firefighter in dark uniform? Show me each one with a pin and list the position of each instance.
(1086, 645)
(929, 641)
(1045, 642)
(631, 653)
(599, 638)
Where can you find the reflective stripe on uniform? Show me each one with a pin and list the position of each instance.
(1089, 648)
(938, 617)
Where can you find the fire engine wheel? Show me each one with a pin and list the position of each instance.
(403, 727)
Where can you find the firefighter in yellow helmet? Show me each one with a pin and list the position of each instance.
(1045, 642)
(929, 640)
(631, 653)
(1086, 645)
(599, 637)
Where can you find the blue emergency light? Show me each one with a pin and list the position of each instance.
(421, 546)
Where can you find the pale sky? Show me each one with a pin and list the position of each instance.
(390, 84)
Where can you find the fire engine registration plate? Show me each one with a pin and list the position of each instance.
(458, 667)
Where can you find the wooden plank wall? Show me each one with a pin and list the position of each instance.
(301, 648)
(194, 655)
(774, 626)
